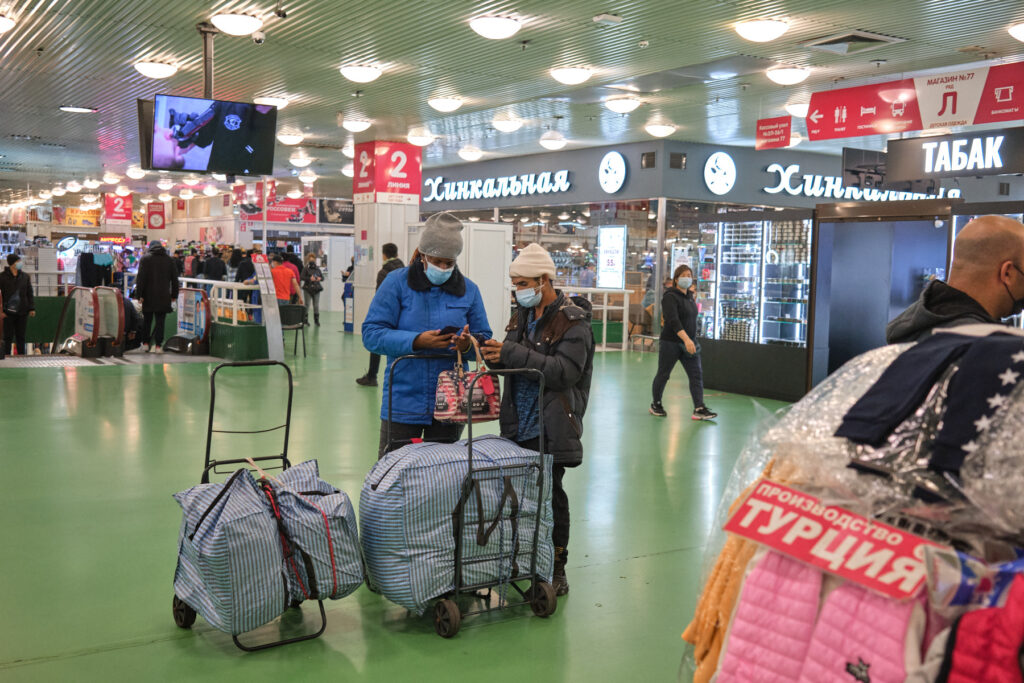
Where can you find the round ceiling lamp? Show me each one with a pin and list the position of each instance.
(73, 186)
(191, 180)
(59, 191)
(219, 177)
(186, 193)
(45, 194)
(211, 191)
(146, 200)
(165, 197)
(798, 109)
(293, 193)
(795, 139)
(787, 75)
(761, 30)
(356, 125)
(349, 150)
(1017, 31)
(91, 183)
(348, 170)
(90, 198)
(553, 140)
(507, 124)
(290, 138)
(471, 153)
(165, 184)
(6, 23)
(307, 177)
(300, 160)
(156, 70)
(563, 216)
(622, 105)
(420, 136)
(279, 102)
(495, 28)
(135, 173)
(571, 75)
(445, 105)
(361, 73)
(660, 130)
(122, 191)
(236, 23)
(111, 178)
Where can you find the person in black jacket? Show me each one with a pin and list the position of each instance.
(156, 286)
(391, 262)
(678, 343)
(18, 305)
(551, 333)
(216, 267)
(312, 285)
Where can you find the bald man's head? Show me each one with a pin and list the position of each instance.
(988, 259)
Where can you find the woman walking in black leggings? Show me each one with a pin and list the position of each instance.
(678, 343)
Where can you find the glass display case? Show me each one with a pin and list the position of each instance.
(739, 280)
(707, 279)
(787, 273)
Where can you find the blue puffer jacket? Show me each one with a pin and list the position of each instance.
(406, 305)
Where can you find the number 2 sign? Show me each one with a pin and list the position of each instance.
(387, 173)
(118, 208)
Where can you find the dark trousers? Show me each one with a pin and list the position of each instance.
(374, 365)
(14, 333)
(153, 334)
(403, 434)
(668, 355)
(559, 502)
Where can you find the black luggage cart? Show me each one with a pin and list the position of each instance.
(530, 588)
(184, 615)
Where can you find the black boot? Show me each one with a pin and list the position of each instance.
(316, 319)
(558, 580)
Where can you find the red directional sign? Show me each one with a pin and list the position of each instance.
(774, 133)
(866, 110)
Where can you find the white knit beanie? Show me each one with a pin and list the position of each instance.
(532, 262)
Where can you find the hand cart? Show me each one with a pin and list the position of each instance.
(184, 615)
(532, 590)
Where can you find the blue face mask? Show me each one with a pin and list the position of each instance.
(438, 276)
(685, 283)
(528, 298)
(16, 266)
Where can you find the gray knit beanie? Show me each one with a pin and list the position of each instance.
(442, 236)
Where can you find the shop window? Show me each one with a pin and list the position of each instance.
(677, 160)
(648, 160)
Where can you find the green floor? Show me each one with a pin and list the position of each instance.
(91, 456)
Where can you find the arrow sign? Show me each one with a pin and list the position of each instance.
(815, 116)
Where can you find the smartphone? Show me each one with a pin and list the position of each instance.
(451, 329)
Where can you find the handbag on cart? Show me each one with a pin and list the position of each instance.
(453, 387)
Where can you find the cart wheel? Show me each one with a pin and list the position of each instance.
(543, 600)
(184, 616)
(447, 618)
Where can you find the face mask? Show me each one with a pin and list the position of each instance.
(685, 283)
(16, 266)
(1017, 305)
(528, 298)
(438, 276)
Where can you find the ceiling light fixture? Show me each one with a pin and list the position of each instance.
(495, 28)
(798, 110)
(279, 102)
(165, 184)
(787, 75)
(795, 139)
(155, 70)
(348, 170)
(191, 180)
(1017, 31)
(660, 130)
(165, 197)
(90, 198)
(211, 190)
(571, 75)
(111, 178)
(470, 153)
(6, 23)
(622, 105)
(236, 23)
(186, 194)
(59, 191)
(290, 138)
(122, 191)
(135, 173)
(507, 124)
(91, 183)
(349, 150)
(563, 216)
(300, 160)
(361, 73)
(445, 104)
(219, 177)
(307, 177)
(420, 136)
(78, 110)
(73, 186)
(761, 30)
(356, 125)
(293, 193)
(146, 200)
(553, 140)
(45, 194)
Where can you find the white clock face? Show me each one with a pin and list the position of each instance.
(720, 173)
(611, 173)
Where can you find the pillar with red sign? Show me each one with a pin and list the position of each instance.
(386, 193)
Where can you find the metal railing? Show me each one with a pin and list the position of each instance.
(604, 307)
(235, 297)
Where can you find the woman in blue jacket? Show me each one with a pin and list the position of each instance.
(416, 310)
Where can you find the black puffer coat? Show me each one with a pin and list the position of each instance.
(157, 282)
(564, 352)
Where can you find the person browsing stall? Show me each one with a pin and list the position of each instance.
(18, 305)
(428, 308)
(549, 332)
(678, 344)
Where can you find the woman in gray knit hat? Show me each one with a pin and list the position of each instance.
(428, 307)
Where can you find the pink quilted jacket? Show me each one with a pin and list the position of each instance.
(773, 623)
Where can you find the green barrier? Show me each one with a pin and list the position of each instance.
(238, 342)
(614, 332)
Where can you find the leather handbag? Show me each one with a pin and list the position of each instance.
(450, 403)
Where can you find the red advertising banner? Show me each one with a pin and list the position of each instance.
(869, 553)
(180, 204)
(227, 200)
(398, 167)
(271, 192)
(774, 133)
(288, 210)
(118, 208)
(364, 178)
(985, 95)
(259, 258)
(155, 219)
(239, 193)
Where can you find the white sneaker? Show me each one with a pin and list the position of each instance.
(148, 348)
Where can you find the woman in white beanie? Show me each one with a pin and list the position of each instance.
(428, 307)
(549, 332)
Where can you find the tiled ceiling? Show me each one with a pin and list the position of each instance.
(81, 52)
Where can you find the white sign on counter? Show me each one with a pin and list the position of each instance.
(611, 266)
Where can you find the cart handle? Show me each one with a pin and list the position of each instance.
(507, 371)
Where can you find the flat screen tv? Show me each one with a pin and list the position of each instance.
(207, 136)
(865, 168)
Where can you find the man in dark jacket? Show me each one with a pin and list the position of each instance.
(986, 282)
(391, 262)
(216, 267)
(156, 286)
(18, 305)
(551, 333)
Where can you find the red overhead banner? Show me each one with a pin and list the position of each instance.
(387, 172)
(155, 219)
(118, 208)
(986, 95)
(288, 210)
(774, 133)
